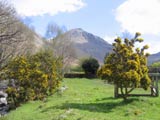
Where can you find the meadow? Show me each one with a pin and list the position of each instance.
(87, 99)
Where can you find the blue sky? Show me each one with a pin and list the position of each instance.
(95, 17)
(104, 18)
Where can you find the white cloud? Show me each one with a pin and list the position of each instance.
(109, 39)
(139, 15)
(153, 42)
(41, 7)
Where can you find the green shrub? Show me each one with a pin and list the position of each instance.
(155, 64)
(33, 77)
(90, 66)
(75, 75)
(77, 69)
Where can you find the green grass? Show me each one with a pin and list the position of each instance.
(88, 100)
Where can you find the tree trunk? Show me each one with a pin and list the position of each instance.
(123, 94)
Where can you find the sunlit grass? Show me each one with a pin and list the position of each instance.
(88, 100)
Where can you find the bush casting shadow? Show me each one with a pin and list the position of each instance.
(104, 107)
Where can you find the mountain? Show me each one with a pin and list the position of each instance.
(87, 44)
(153, 58)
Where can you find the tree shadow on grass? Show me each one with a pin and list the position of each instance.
(107, 98)
(103, 106)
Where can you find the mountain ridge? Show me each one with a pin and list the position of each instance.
(154, 58)
(87, 44)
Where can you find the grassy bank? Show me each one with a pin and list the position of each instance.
(88, 100)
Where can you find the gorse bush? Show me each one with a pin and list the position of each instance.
(49, 65)
(33, 77)
(126, 66)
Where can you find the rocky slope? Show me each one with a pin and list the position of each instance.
(87, 44)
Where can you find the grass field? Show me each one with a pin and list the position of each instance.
(88, 100)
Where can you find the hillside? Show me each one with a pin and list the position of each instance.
(32, 42)
(15, 37)
(39, 42)
(154, 58)
(87, 44)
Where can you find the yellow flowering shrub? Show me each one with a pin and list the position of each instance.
(33, 77)
(126, 66)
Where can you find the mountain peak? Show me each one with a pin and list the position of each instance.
(77, 29)
(88, 44)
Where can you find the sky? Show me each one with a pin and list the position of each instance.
(104, 18)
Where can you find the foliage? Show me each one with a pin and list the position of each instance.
(106, 55)
(77, 68)
(126, 67)
(33, 77)
(156, 64)
(90, 66)
(49, 65)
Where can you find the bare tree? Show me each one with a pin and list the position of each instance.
(53, 31)
(61, 44)
(8, 30)
(8, 21)
(64, 47)
(15, 37)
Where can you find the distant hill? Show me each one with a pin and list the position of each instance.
(39, 42)
(33, 42)
(153, 58)
(87, 44)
